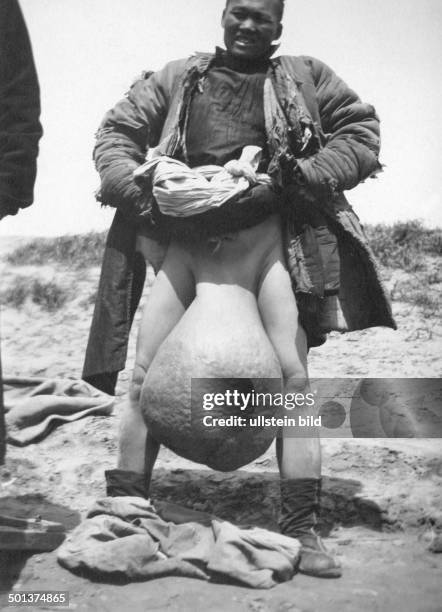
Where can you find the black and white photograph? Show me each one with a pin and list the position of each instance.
(220, 305)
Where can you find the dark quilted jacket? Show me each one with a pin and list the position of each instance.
(323, 140)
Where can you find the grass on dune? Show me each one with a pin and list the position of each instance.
(403, 245)
(49, 295)
(78, 251)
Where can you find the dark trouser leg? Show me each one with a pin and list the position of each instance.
(2, 419)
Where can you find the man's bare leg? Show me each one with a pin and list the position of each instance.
(171, 293)
(299, 457)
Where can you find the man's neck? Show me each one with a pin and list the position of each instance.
(239, 64)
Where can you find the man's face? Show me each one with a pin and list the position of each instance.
(250, 27)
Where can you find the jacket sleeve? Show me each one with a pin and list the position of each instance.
(20, 129)
(126, 133)
(352, 137)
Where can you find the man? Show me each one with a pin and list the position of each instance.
(20, 129)
(318, 139)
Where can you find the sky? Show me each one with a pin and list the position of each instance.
(88, 52)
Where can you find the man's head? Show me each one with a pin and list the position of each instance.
(251, 26)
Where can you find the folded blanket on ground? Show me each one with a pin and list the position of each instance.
(128, 538)
(35, 405)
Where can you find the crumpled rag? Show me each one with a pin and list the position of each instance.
(125, 538)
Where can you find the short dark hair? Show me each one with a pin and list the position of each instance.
(281, 4)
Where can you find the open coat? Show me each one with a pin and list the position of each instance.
(322, 141)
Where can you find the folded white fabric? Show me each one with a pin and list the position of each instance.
(181, 191)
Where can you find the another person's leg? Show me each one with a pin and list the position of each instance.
(298, 452)
(2, 419)
(171, 294)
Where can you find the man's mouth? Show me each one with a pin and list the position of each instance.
(245, 41)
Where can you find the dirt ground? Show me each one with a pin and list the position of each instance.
(382, 497)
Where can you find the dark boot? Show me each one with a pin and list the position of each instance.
(126, 483)
(299, 517)
(106, 381)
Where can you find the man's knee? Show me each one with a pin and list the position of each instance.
(296, 382)
(138, 376)
(294, 360)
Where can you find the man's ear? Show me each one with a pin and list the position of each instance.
(279, 31)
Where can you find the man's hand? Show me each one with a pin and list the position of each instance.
(236, 167)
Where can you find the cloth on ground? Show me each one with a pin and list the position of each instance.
(128, 538)
(34, 405)
(181, 191)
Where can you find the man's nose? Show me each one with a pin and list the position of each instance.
(248, 24)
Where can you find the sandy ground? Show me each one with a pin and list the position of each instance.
(382, 498)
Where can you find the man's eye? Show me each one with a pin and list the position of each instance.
(239, 14)
(242, 15)
(262, 19)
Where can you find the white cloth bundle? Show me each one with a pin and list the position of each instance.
(181, 191)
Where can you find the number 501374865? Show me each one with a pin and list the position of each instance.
(32, 598)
